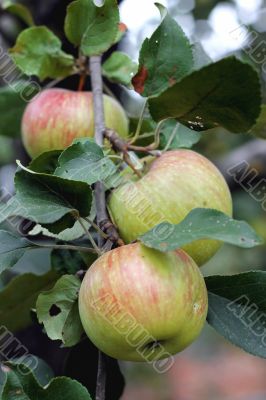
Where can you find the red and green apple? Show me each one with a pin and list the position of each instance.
(173, 185)
(139, 304)
(55, 117)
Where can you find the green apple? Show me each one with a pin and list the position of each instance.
(55, 117)
(139, 304)
(174, 184)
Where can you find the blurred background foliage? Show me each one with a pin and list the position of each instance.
(211, 368)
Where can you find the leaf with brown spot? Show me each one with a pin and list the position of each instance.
(140, 79)
(165, 58)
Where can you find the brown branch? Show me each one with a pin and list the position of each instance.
(101, 377)
(121, 146)
(103, 220)
(102, 216)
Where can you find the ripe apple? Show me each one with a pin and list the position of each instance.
(55, 117)
(174, 184)
(138, 304)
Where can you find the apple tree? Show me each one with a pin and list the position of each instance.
(128, 210)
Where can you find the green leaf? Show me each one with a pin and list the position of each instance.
(67, 235)
(201, 223)
(21, 384)
(119, 68)
(38, 52)
(57, 309)
(92, 28)
(19, 10)
(19, 297)
(39, 368)
(237, 309)
(13, 101)
(12, 248)
(165, 58)
(70, 234)
(46, 163)
(178, 136)
(48, 199)
(42, 372)
(84, 161)
(259, 129)
(2, 381)
(68, 261)
(226, 93)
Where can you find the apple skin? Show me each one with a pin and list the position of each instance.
(176, 183)
(55, 117)
(135, 291)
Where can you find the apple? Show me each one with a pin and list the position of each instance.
(172, 186)
(139, 304)
(55, 117)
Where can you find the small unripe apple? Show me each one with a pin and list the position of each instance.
(55, 117)
(175, 183)
(139, 304)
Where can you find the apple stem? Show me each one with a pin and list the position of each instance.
(82, 81)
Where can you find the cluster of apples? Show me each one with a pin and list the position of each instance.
(137, 303)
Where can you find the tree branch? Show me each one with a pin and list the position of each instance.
(97, 88)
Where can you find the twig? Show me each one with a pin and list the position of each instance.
(119, 145)
(101, 377)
